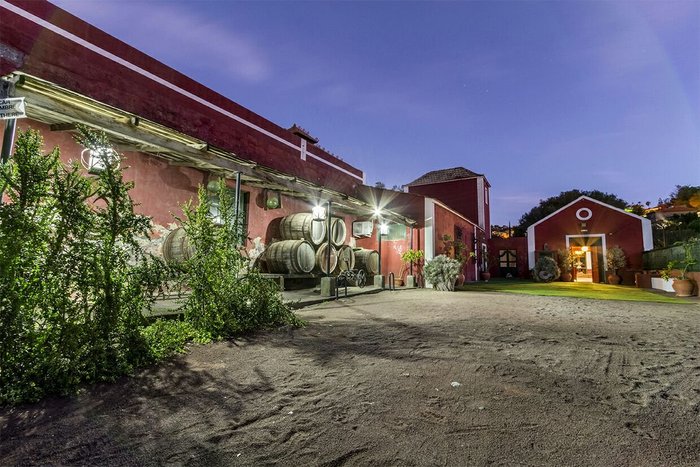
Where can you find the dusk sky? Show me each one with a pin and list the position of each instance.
(541, 97)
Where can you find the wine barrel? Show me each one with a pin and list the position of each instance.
(367, 260)
(302, 226)
(338, 231)
(290, 257)
(176, 247)
(322, 260)
(346, 258)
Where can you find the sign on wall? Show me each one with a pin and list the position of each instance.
(12, 107)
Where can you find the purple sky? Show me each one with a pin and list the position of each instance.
(541, 97)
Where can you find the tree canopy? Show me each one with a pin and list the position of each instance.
(552, 204)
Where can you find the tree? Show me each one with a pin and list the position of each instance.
(552, 204)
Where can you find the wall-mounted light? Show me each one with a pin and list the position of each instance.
(377, 212)
(584, 249)
(96, 160)
(383, 229)
(273, 199)
(318, 213)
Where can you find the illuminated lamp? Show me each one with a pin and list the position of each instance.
(96, 160)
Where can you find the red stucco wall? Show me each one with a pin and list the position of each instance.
(444, 224)
(459, 195)
(519, 244)
(45, 54)
(159, 189)
(620, 229)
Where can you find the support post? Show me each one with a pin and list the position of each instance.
(237, 209)
(328, 251)
(8, 139)
(411, 265)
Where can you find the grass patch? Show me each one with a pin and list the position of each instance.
(572, 289)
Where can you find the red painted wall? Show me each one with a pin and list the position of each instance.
(45, 54)
(159, 188)
(445, 222)
(619, 228)
(514, 243)
(459, 195)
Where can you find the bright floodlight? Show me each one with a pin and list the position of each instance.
(318, 213)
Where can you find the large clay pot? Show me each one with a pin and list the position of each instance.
(683, 287)
(485, 276)
(614, 279)
(566, 277)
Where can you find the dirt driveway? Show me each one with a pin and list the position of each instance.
(373, 381)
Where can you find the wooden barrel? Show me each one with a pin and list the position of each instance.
(338, 231)
(290, 257)
(346, 258)
(176, 247)
(367, 260)
(301, 226)
(322, 260)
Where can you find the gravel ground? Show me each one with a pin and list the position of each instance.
(400, 378)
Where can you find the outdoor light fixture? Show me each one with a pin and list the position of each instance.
(383, 229)
(584, 249)
(318, 213)
(96, 160)
(377, 212)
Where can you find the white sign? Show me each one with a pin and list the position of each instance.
(12, 107)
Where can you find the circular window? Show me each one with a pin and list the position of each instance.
(584, 214)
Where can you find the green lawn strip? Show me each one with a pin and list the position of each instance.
(572, 289)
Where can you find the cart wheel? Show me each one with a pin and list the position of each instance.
(361, 279)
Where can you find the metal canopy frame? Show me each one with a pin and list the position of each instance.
(62, 109)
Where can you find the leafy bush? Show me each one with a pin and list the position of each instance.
(226, 296)
(546, 269)
(73, 280)
(615, 259)
(167, 337)
(442, 272)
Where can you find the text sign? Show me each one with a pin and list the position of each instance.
(12, 107)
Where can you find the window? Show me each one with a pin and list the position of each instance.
(507, 258)
(487, 195)
(396, 232)
(242, 210)
(459, 234)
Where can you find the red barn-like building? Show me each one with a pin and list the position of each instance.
(589, 227)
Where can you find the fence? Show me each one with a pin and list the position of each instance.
(659, 258)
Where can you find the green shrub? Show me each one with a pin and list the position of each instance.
(546, 269)
(226, 297)
(73, 280)
(442, 271)
(168, 337)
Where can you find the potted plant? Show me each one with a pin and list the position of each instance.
(411, 257)
(442, 272)
(615, 259)
(682, 285)
(484, 272)
(566, 263)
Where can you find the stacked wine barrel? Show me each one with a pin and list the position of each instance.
(302, 250)
(304, 247)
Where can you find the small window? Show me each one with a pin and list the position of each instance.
(507, 258)
(242, 210)
(459, 234)
(396, 232)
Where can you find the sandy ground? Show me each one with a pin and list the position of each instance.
(542, 381)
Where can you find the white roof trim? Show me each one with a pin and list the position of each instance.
(589, 199)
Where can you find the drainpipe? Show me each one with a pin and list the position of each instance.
(411, 246)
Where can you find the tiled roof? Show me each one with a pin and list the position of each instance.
(444, 175)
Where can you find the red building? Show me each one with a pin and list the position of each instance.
(176, 134)
(589, 227)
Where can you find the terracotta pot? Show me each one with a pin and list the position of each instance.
(683, 287)
(485, 276)
(614, 279)
(398, 282)
(566, 277)
(460, 280)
